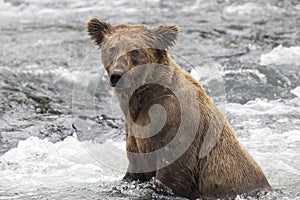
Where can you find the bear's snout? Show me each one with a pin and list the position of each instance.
(115, 77)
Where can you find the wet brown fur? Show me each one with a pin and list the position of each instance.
(228, 169)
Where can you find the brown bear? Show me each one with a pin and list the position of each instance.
(174, 132)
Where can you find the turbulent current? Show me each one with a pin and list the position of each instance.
(61, 129)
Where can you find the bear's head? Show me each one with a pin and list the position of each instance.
(124, 47)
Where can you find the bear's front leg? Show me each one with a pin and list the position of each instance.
(181, 177)
(141, 177)
(132, 177)
(129, 176)
(131, 146)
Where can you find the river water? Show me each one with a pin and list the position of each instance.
(61, 131)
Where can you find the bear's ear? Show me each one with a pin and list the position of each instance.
(97, 29)
(166, 35)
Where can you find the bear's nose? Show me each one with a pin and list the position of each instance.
(115, 77)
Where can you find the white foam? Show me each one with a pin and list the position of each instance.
(270, 131)
(281, 55)
(267, 136)
(261, 76)
(264, 107)
(39, 163)
(208, 72)
(79, 76)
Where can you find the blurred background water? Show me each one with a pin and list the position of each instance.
(61, 131)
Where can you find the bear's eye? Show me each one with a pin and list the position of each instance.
(134, 55)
